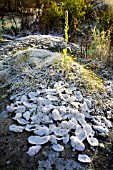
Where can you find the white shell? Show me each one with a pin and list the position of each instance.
(58, 147)
(40, 100)
(32, 94)
(16, 128)
(88, 130)
(79, 95)
(80, 134)
(89, 104)
(52, 98)
(26, 115)
(66, 139)
(10, 108)
(53, 139)
(56, 115)
(24, 98)
(92, 141)
(60, 132)
(107, 122)
(22, 121)
(71, 99)
(20, 109)
(84, 158)
(100, 129)
(42, 131)
(17, 116)
(31, 127)
(76, 143)
(47, 108)
(38, 140)
(33, 150)
(28, 105)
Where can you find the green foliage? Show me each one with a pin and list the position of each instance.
(1, 39)
(75, 8)
(100, 45)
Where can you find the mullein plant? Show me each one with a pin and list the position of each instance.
(67, 60)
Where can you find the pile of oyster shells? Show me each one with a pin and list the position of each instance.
(58, 115)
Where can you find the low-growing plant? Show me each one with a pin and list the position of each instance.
(100, 45)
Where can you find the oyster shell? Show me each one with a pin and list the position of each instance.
(80, 134)
(92, 141)
(42, 131)
(32, 94)
(66, 139)
(56, 115)
(31, 127)
(38, 140)
(33, 150)
(26, 115)
(20, 109)
(17, 116)
(100, 129)
(88, 130)
(16, 128)
(22, 121)
(60, 132)
(76, 143)
(24, 98)
(10, 108)
(58, 147)
(84, 158)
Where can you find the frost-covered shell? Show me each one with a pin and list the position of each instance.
(17, 116)
(38, 140)
(10, 108)
(32, 94)
(47, 108)
(24, 98)
(42, 131)
(100, 129)
(20, 109)
(16, 128)
(66, 139)
(22, 121)
(52, 98)
(40, 100)
(33, 150)
(29, 105)
(60, 132)
(53, 139)
(56, 115)
(31, 127)
(88, 129)
(92, 141)
(71, 99)
(79, 95)
(84, 158)
(106, 122)
(26, 115)
(89, 103)
(58, 147)
(76, 143)
(80, 134)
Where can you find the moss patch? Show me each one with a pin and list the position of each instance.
(90, 79)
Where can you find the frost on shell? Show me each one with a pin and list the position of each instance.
(58, 147)
(38, 140)
(16, 128)
(33, 150)
(84, 158)
(92, 141)
(77, 144)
